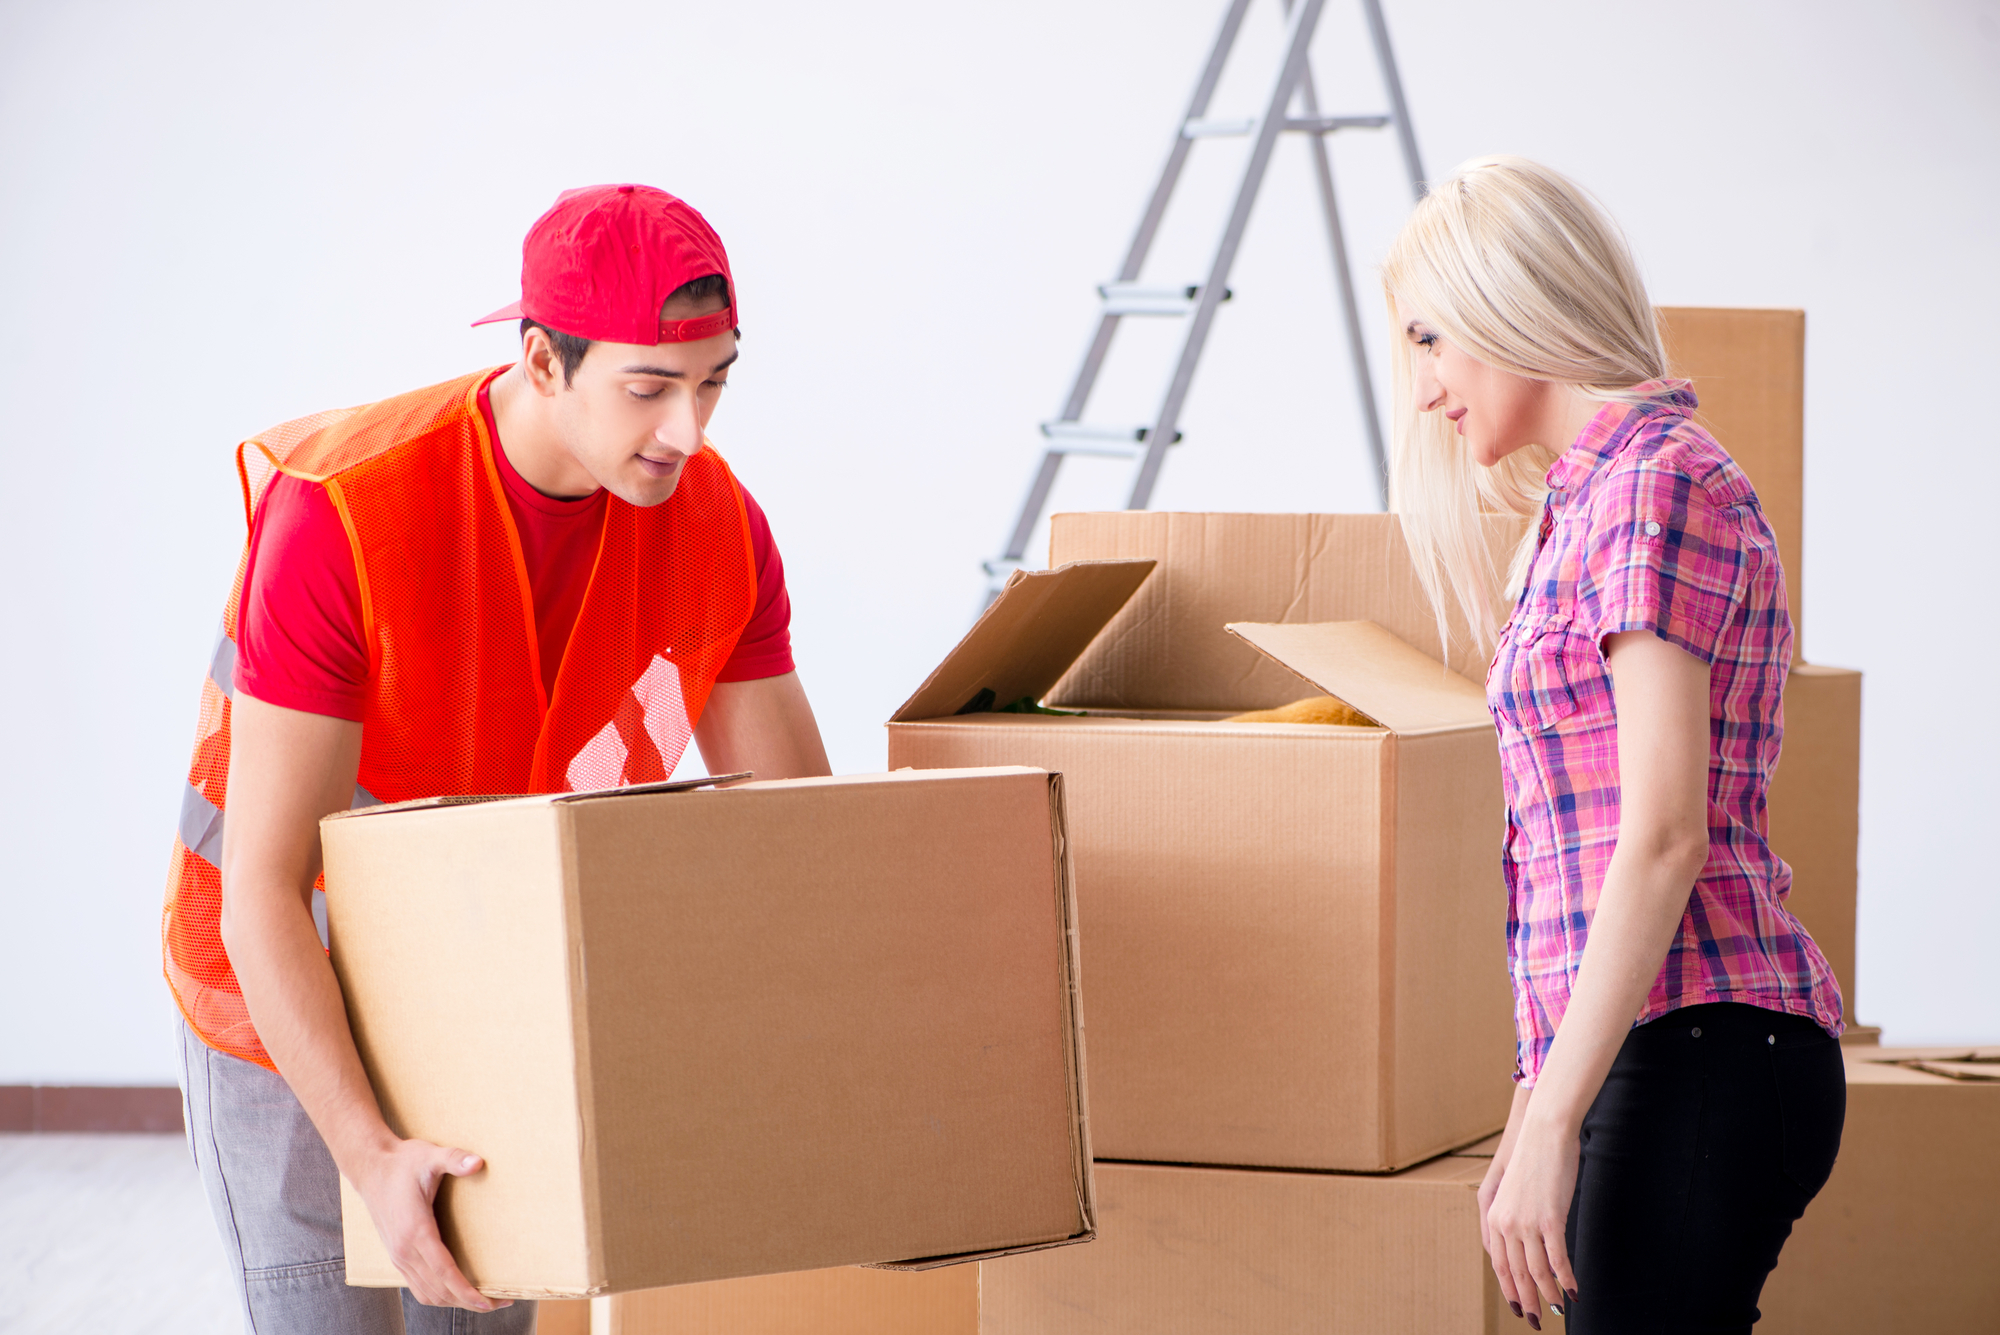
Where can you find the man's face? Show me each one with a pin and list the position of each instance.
(632, 416)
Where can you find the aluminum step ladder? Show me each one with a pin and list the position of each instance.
(1291, 88)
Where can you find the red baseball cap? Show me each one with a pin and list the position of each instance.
(602, 261)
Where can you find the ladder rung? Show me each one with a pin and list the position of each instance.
(1226, 127)
(1328, 124)
(1126, 436)
(1218, 127)
(1138, 299)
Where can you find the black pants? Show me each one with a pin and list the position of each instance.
(1716, 1126)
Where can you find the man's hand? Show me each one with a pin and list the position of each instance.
(400, 1186)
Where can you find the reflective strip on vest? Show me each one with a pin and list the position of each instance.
(222, 667)
(201, 835)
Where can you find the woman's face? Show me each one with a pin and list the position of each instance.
(1496, 411)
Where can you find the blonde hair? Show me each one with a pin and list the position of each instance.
(1517, 266)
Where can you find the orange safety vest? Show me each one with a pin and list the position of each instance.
(455, 702)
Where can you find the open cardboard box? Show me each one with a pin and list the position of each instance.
(1169, 650)
(702, 1034)
(1295, 932)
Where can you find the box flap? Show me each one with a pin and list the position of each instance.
(1404, 689)
(426, 803)
(1028, 637)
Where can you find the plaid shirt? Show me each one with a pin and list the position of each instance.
(1649, 525)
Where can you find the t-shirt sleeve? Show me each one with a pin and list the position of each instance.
(765, 649)
(1662, 556)
(299, 642)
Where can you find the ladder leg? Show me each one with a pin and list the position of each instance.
(1398, 108)
(1337, 239)
(1298, 37)
(1156, 207)
(1135, 260)
(1031, 509)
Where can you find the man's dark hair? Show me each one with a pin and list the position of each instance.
(570, 349)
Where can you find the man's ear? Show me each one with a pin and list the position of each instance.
(540, 362)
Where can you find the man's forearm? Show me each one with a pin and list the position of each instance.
(294, 1000)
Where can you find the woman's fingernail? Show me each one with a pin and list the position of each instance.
(1571, 1293)
(1534, 1321)
(1516, 1307)
(1556, 1308)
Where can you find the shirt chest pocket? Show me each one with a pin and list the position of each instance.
(1529, 685)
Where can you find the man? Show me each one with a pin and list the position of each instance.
(534, 579)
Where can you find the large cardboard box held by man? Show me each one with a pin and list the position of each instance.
(1294, 932)
(847, 1301)
(700, 1034)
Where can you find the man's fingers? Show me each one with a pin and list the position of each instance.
(449, 1283)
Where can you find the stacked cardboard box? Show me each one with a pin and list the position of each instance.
(1195, 842)
(700, 1034)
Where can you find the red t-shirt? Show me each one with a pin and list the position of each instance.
(299, 642)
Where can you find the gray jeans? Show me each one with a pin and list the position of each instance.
(276, 1197)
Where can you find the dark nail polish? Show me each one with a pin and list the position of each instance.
(1516, 1307)
(1571, 1293)
(1534, 1321)
(1556, 1308)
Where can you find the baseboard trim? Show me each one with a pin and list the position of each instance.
(154, 1108)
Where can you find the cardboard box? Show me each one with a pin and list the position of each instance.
(1749, 371)
(816, 1302)
(1168, 649)
(1214, 1251)
(1815, 809)
(1906, 1233)
(1295, 932)
(700, 1034)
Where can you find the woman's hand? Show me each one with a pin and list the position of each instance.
(1525, 1203)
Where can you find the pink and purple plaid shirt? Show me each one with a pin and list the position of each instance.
(1649, 525)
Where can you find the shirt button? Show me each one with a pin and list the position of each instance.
(1697, 1031)
(1772, 1039)
(1652, 528)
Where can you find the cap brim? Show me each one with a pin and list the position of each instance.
(511, 311)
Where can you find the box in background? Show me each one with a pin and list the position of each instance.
(1815, 809)
(1905, 1234)
(1295, 933)
(1216, 1251)
(1749, 372)
(713, 1033)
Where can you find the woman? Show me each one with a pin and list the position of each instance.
(1679, 1093)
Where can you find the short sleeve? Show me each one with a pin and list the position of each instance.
(299, 642)
(1662, 556)
(765, 648)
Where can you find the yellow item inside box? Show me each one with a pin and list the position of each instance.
(1313, 709)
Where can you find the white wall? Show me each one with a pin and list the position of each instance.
(215, 216)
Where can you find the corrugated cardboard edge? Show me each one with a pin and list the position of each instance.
(579, 1028)
(1386, 896)
(1450, 702)
(1025, 604)
(584, 795)
(1081, 1160)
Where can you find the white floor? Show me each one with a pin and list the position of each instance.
(108, 1235)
